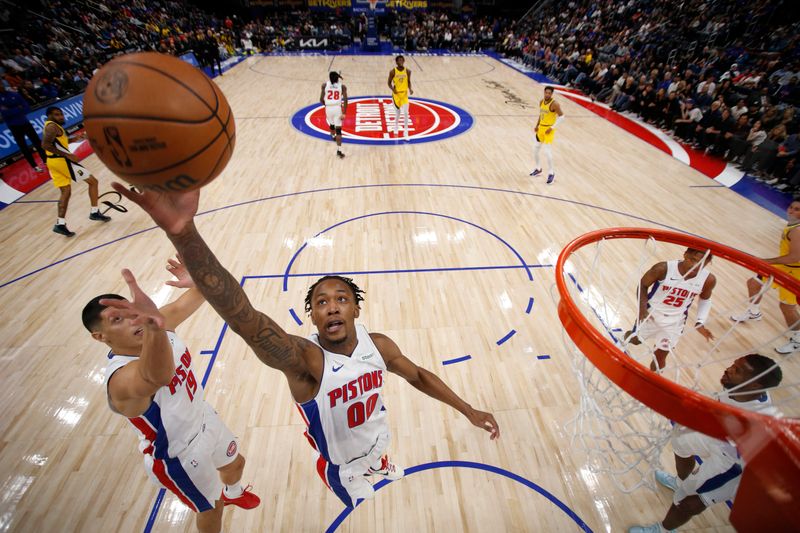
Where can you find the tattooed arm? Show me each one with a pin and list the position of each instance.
(300, 360)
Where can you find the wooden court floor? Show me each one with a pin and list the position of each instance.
(441, 260)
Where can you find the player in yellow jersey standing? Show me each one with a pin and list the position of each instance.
(400, 84)
(789, 262)
(64, 169)
(550, 115)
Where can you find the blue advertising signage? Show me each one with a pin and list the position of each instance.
(73, 113)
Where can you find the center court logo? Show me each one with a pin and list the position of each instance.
(370, 120)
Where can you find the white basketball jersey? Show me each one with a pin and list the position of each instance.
(347, 415)
(671, 297)
(333, 93)
(762, 404)
(175, 414)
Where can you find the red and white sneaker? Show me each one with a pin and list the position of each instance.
(247, 500)
(389, 470)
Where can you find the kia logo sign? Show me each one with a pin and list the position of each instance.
(370, 120)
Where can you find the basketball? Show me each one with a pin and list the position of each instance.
(158, 123)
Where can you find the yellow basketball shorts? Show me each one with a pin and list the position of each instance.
(785, 296)
(545, 138)
(64, 172)
(400, 99)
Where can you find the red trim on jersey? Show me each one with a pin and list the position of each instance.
(159, 469)
(322, 466)
(161, 473)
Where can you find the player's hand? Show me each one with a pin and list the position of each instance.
(484, 421)
(140, 309)
(547, 131)
(632, 338)
(411, 91)
(183, 279)
(172, 211)
(394, 91)
(702, 330)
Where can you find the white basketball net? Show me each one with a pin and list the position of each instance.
(622, 438)
(372, 4)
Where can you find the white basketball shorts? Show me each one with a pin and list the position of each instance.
(333, 114)
(665, 334)
(193, 476)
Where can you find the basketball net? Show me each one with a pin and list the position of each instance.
(621, 437)
(372, 4)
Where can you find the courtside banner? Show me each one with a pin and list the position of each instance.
(407, 5)
(362, 6)
(328, 5)
(191, 59)
(73, 113)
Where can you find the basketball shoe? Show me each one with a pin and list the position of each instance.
(387, 469)
(792, 346)
(536, 172)
(652, 528)
(550, 178)
(247, 500)
(747, 316)
(61, 229)
(668, 480)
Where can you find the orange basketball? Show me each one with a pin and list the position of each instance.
(158, 123)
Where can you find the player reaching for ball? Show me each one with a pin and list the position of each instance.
(64, 169)
(334, 98)
(150, 380)
(666, 292)
(335, 377)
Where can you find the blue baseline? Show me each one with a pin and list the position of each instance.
(476, 466)
(465, 123)
(456, 360)
(349, 187)
(295, 317)
(496, 236)
(543, 356)
(507, 336)
(397, 271)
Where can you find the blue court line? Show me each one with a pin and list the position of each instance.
(456, 360)
(296, 318)
(207, 352)
(395, 271)
(530, 304)
(349, 187)
(707, 186)
(496, 236)
(476, 466)
(543, 356)
(34, 202)
(507, 336)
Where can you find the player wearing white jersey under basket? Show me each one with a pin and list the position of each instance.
(666, 292)
(152, 381)
(346, 419)
(334, 98)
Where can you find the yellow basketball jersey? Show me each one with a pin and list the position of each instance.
(785, 240)
(401, 80)
(62, 139)
(546, 117)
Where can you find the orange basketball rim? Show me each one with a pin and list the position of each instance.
(769, 494)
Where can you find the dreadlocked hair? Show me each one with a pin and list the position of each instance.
(355, 289)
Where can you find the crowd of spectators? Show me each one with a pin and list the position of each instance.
(716, 79)
(426, 30)
(53, 48)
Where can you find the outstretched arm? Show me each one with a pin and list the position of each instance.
(174, 213)
(427, 382)
(187, 303)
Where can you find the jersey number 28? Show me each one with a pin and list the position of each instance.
(332, 95)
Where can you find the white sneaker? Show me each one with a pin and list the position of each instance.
(667, 480)
(790, 347)
(652, 528)
(747, 316)
(389, 470)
